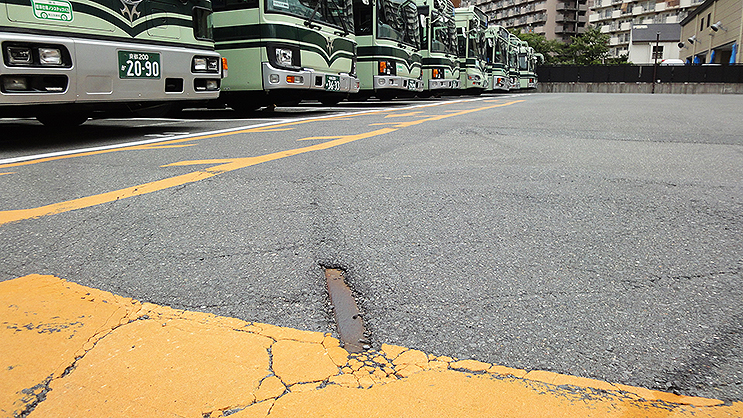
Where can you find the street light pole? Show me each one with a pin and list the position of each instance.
(655, 55)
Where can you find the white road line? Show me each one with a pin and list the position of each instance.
(274, 122)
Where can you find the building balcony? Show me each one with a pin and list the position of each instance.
(625, 26)
(566, 6)
(659, 7)
(593, 18)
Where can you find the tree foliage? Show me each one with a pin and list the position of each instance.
(551, 49)
(588, 48)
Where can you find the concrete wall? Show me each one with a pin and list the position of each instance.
(661, 88)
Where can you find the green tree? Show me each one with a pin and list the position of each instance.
(551, 49)
(588, 48)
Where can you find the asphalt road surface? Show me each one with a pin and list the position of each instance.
(587, 234)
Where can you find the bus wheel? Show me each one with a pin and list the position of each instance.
(62, 120)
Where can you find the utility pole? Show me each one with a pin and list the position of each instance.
(655, 55)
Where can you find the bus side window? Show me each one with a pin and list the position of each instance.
(220, 5)
(362, 17)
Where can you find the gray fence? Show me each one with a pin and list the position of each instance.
(641, 74)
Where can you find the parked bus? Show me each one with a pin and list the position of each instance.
(389, 60)
(440, 65)
(471, 23)
(284, 51)
(527, 66)
(514, 76)
(496, 56)
(62, 60)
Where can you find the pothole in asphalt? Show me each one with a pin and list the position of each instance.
(347, 315)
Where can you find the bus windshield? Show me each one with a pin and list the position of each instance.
(333, 12)
(523, 63)
(398, 20)
(475, 47)
(442, 30)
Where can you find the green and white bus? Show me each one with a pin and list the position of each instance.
(63, 59)
(440, 65)
(514, 75)
(471, 24)
(496, 55)
(527, 66)
(388, 32)
(284, 51)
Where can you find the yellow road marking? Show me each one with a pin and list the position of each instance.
(223, 166)
(3, 174)
(276, 130)
(119, 352)
(402, 115)
(317, 138)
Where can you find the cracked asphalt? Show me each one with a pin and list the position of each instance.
(585, 234)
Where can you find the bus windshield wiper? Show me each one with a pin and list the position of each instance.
(342, 17)
(310, 19)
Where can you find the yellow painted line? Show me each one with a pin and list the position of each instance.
(309, 138)
(4, 174)
(458, 113)
(402, 115)
(276, 130)
(224, 165)
(167, 146)
(69, 350)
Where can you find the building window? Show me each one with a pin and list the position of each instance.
(657, 52)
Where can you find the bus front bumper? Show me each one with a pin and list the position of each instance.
(397, 82)
(308, 79)
(448, 84)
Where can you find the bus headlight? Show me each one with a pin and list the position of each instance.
(19, 55)
(284, 56)
(50, 56)
(205, 64)
(387, 68)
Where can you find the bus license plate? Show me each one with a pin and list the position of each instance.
(332, 83)
(139, 64)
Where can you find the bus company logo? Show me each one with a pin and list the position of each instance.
(329, 45)
(130, 9)
(59, 10)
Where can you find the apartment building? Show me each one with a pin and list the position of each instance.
(713, 32)
(555, 19)
(617, 17)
